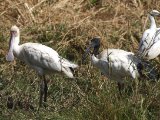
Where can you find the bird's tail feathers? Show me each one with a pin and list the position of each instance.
(68, 72)
(67, 63)
(149, 71)
(67, 67)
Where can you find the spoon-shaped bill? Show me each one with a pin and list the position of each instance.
(10, 56)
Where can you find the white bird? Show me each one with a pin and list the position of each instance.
(154, 49)
(116, 64)
(149, 35)
(39, 57)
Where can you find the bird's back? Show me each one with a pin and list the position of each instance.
(45, 59)
(146, 41)
(154, 50)
(39, 55)
(149, 42)
(117, 64)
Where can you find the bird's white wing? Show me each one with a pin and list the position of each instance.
(114, 52)
(145, 41)
(118, 63)
(148, 39)
(154, 51)
(40, 55)
(127, 64)
(157, 35)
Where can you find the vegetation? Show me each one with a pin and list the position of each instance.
(67, 26)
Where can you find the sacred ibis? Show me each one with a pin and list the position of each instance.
(41, 58)
(116, 64)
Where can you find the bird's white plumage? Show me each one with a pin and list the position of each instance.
(116, 64)
(40, 57)
(154, 49)
(149, 35)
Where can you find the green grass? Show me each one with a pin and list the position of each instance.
(88, 98)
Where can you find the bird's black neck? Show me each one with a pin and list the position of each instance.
(140, 68)
(96, 50)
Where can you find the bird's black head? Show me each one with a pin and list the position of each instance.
(95, 44)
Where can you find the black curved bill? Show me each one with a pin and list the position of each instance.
(87, 51)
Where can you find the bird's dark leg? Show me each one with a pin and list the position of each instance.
(120, 87)
(41, 91)
(45, 89)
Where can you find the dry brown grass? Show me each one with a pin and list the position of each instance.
(119, 21)
(66, 26)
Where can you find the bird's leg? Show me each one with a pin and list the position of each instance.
(120, 87)
(41, 91)
(45, 89)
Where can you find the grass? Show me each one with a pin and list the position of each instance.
(67, 26)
